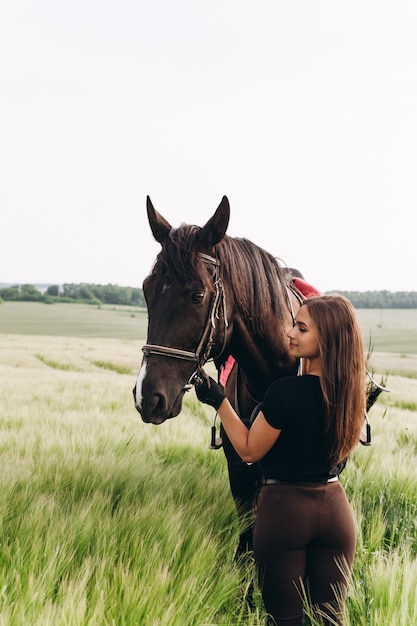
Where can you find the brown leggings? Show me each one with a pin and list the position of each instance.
(303, 533)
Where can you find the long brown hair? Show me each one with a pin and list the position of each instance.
(343, 378)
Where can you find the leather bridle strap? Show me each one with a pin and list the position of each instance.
(205, 345)
(290, 288)
(149, 348)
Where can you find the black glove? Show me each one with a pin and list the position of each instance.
(208, 391)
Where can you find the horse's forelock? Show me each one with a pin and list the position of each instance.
(179, 258)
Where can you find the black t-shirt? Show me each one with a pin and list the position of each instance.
(295, 405)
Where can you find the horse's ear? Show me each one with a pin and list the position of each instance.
(159, 226)
(215, 229)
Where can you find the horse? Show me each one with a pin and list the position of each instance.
(214, 297)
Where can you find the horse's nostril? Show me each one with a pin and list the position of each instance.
(153, 407)
(154, 411)
(159, 403)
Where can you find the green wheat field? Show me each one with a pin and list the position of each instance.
(105, 520)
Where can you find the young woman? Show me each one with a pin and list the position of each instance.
(304, 535)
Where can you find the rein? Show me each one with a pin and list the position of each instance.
(206, 343)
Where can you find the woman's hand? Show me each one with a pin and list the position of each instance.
(208, 391)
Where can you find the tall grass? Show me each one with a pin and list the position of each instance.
(106, 521)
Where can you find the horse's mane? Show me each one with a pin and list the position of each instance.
(255, 276)
(257, 280)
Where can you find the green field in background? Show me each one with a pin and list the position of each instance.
(73, 320)
(389, 330)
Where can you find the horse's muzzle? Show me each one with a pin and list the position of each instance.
(153, 409)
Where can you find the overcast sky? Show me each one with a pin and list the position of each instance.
(302, 112)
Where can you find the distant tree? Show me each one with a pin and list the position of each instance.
(30, 293)
(21, 292)
(85, 292)
(69, 290)
(10, 293)
(53, 290)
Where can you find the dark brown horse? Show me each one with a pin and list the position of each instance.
(211, 296)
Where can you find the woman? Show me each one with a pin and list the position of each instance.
(304, 535)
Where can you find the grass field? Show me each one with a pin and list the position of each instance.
(389, 330)
(72, 320)
(108, 521)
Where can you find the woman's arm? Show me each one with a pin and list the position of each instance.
(252, 443)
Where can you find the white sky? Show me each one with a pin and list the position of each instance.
(302, 112)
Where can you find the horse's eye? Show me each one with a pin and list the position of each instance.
(198, 297)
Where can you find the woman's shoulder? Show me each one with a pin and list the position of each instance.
(291, 385)
(306, 380)
(289, 396)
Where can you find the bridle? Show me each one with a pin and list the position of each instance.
(203, 351)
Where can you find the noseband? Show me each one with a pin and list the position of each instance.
(206, 343)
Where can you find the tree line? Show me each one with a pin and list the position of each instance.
(133, 296)
(70, 292)
(382, 299)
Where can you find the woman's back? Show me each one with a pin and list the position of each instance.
(295, 406)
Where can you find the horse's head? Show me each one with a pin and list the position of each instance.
(186, 312)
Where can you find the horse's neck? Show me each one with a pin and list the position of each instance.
(261, 359)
